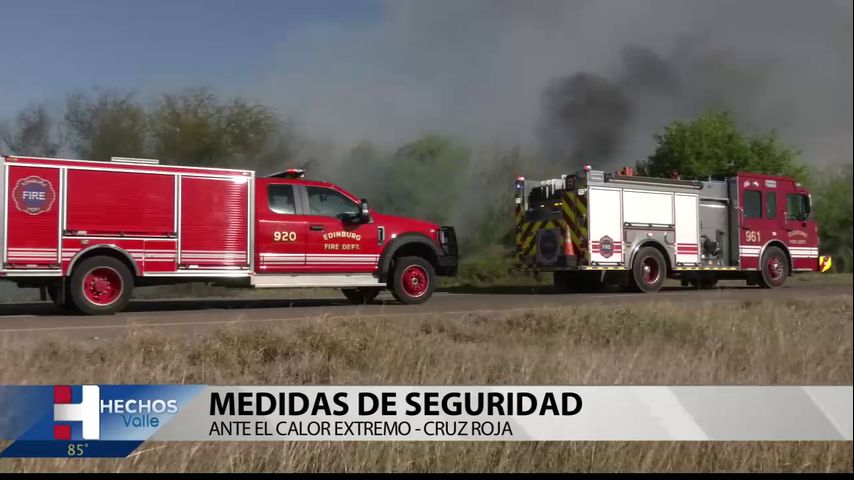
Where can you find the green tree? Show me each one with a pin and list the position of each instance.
(488, 216)
(197, 128)
(834, 204)
(713, 145)
(366, 171)
(107, 125)
(33, 133)
(427, 176)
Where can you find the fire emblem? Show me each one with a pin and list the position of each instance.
(34, 195)
(606, 246)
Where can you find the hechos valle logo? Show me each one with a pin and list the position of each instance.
(606, 246)
(87, 412)
(34, 195)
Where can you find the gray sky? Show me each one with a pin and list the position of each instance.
(389, 71)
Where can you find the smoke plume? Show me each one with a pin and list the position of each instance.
(580, 80)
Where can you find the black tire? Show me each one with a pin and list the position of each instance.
(648, 271)
(361, 296)
(415, 271)
(114, 286)
(773, 268)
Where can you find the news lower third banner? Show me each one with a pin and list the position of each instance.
(113, 420)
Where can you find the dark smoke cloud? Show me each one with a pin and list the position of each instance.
(479, 69)
(584, 117)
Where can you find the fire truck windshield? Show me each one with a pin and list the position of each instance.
(797, 207)
(543, 202)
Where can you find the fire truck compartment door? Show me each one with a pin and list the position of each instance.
(214, 223)
(606, 225)
(648, 208)
(687, 229)
(32, 200)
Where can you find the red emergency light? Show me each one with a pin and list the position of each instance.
(289, 173)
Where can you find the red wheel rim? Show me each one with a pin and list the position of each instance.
(102, 286)
(651, 271)
(415, 281)
(775, 268)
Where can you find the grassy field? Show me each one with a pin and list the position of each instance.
(754, 342)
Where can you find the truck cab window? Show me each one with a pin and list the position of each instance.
(281, 199)
(796, 207)
(330, 203)
(752, 204)
(771, 205)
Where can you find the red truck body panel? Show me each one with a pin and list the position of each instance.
(214, 222)
(32, 221)
(146, 206)
(166, 220)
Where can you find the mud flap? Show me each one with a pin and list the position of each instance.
(61, 291)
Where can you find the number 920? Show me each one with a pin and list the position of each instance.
(284, 236)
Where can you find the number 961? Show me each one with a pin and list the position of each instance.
(753, 236)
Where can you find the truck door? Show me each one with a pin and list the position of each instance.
(33, 206)
(280, 228)
(759, 222)
(336, 245)
(801, 234)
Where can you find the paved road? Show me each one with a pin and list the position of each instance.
(204, 315)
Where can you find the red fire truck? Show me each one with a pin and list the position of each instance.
(592, 228)
(89, 232)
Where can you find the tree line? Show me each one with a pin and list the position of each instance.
(436, 177)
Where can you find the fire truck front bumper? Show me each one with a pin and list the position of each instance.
(448, 266)
(449, 261)
(824, 263)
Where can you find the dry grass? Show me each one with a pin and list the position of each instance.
(755, 342)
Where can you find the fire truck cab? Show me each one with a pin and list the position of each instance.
(593, 228)
(89, 232)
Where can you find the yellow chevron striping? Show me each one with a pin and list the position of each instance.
(568, 211)
(530, 238)
(580, 206)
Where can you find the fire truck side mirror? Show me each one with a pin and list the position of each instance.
(364, 211)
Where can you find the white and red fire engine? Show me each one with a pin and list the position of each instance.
(593, 228)
(88, 232)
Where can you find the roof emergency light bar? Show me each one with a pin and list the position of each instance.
(135, 161)
(289, 173)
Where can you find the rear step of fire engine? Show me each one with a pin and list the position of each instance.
(316, 280)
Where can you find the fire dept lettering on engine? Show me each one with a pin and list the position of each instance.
(33, 195)
(343, 235)
(802, 240)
